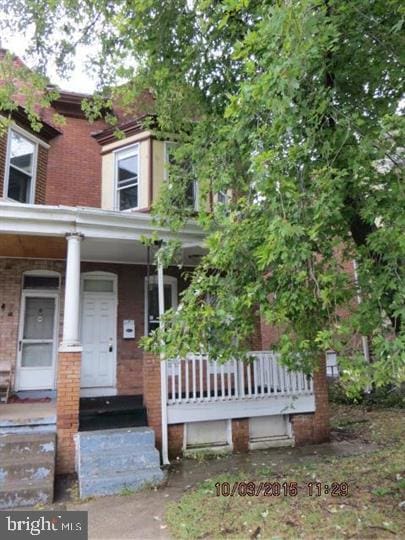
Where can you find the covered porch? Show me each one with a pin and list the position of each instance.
(76, 303)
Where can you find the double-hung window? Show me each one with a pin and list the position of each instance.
(22, 153)
(127, 178)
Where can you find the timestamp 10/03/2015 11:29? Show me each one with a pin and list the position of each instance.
(281, 489)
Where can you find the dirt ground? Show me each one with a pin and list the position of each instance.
(142, 515)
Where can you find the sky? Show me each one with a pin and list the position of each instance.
(79, 80)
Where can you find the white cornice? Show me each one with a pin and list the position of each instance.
(41, 220)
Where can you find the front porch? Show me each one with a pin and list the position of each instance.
(79, 281)
(76, 299)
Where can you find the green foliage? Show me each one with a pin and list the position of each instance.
(22, 86)
(387, 396)
(296, 108)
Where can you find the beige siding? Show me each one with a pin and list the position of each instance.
(107, 182)
(159, 162)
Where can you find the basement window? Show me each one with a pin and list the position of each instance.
(22, 155)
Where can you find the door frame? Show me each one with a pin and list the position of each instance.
(96, 275)
(37, 293)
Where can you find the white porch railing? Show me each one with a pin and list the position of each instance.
(196, 379)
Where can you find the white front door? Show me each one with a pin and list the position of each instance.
(98, 338)
(37, 341)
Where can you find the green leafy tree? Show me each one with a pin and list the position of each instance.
(294, 108)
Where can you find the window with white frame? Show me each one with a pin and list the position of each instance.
(127, 178)
(21, 164)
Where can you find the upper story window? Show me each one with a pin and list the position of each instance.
(127, 178)
(21, 165)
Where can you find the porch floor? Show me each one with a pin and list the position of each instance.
(15, 415)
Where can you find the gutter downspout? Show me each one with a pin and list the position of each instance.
(163, 368)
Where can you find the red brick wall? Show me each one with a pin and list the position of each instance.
(314, 428)
(67, 410)
(175, 440)
(240, 435)
(74, 166)
(256, 339)
(152, 395)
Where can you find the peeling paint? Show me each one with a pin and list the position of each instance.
(47, 447)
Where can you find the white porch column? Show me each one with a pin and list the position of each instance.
(72, 292)
(163, 368)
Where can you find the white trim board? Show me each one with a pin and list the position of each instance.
(29, 219)
(243, 408)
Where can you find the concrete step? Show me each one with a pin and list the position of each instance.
(112, 439)
(27, 468)
(120, 482)
(118, 461)
(37, 467)
(113, 460)
(26, 444)
(20, 493)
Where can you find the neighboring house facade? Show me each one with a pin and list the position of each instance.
(78, 288)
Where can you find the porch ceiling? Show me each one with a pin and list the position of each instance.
(32, 231)
(92, 249)
(32, 247)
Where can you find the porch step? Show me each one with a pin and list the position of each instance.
(27, 468)
(114, 460)
(111, 412)
(118, 483)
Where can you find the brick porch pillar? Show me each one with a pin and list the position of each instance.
(240, 435)
(67, 408)
(69, 361)
(321, 416)
(314, 427)
(152, 394)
